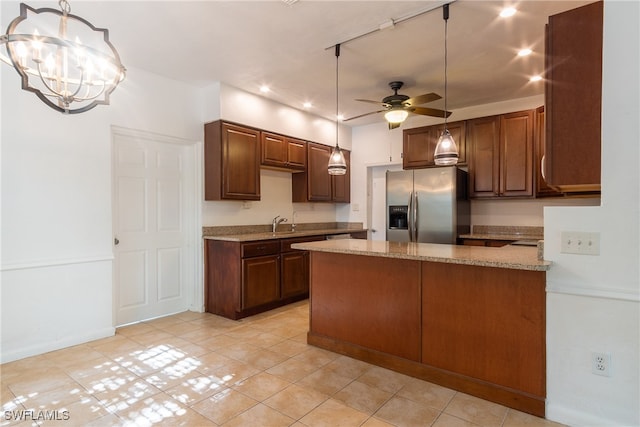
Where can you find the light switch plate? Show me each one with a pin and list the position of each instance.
(580, 243)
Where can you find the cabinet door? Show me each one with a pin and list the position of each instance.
(542, 188)
(260, 280)
(573, 97)
(240, 163)
(296, 154)
(295, 273)
(418, 146)
(483, 138)
(318, 178)
(274, 150)
(516, 154)
(341, 184)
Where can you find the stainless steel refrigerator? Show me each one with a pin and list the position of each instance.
(427, 205)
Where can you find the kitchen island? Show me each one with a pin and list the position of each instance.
(465, 317)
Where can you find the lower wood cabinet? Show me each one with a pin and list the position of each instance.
(245, 278)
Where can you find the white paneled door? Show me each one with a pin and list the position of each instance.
(153, 228)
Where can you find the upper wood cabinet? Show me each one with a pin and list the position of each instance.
(501, 155)
(315, 184)
(542, 188)
(573, 99)
(283, 152)
(419, 144)
(231, 161)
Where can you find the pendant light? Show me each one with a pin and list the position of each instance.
(337, 163)
(446, 152)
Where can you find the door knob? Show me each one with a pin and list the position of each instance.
(116, 241)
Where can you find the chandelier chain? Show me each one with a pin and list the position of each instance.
(65, 7)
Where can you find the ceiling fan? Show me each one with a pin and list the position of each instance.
(397, 107)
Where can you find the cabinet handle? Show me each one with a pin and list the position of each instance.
(543, 167)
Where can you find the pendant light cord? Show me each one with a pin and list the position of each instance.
(445, 16)
(337, 103)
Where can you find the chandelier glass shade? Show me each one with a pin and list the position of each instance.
(66, 61)
(446, 152)
(337, 162)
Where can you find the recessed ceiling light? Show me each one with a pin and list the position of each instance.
(307, 105)
(507, 12)
(264, 89)
(535, 78)
(525, 52)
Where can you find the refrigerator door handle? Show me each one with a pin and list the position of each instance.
(410, 217)
(415, 217)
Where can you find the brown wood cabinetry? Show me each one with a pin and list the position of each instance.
(315, 184)
(573, 99)
(282, 152)
(245, 278)
(542, 188)
(232, 162)
(419, 144)
(492, 243)
(501, 155)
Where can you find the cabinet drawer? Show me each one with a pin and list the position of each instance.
(285, 244)
(267, 247)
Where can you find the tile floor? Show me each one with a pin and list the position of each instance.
(197, 369)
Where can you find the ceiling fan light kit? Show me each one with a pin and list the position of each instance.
(66, 61)
(337, 163)
(446, 152)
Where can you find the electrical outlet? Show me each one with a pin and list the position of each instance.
(601, 364)
(581, 243)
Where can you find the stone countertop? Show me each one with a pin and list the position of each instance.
(248, 237)
(512, 257)
(493, 232)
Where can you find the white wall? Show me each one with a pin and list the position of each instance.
(231, 104)
(56, 206)
(593, 301)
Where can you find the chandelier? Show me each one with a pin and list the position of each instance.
(62, 58)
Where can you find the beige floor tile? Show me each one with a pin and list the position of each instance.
(446, 420)
(79, 413)
(291, 370)
(332, 413)
(234, 372)
(260, 415)
(404, 412)
(362, 397)
(237, 350)
(109, 420)
(316, 357)
(262, 359)
(520, 419)
(161, 409)
(261, 386)
(180, 328)
(475, 410)
(296, 401)
(223, 406)
(211, 361)
(72, 355)
(348, 367)
(111, 378)
(426, 393)
(219, 341)
(196, 388)
(326, 382)
(56, 398)
(188, 316)
(126, 394)
(384, 379)
(201, 335)
(152, 338)
(375, 422)
(135, 329)
(39, 380)
(244, 332)
(161, 322)
(24, 366)
(170, 377)
(266, 340)
(92, 368)
(289, 348)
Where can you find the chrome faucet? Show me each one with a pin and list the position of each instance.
(276, 222)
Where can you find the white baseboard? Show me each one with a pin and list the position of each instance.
(45, 347)
(573, 418)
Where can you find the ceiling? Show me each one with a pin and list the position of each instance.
(289, 47)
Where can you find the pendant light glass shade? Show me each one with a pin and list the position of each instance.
(337, 162)
(396, 116)
(446, 150)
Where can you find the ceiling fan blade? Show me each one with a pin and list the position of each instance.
(422, 99)
(362, 115)
(394, 125)
(372, 102)
(424, 111)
